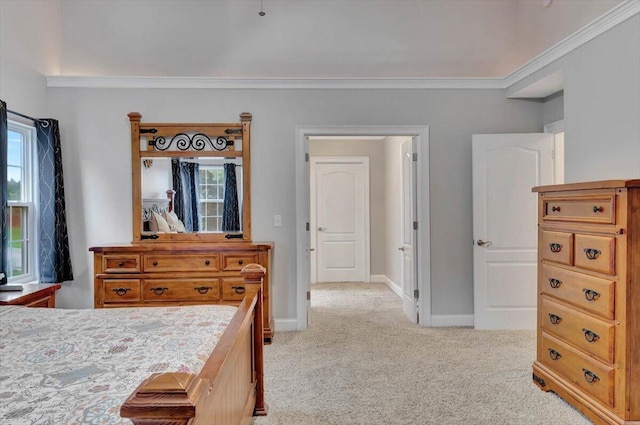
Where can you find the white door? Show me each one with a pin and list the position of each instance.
(340, 199)
(408, 242)
(505, 168)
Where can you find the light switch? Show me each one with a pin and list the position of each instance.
(277, 220)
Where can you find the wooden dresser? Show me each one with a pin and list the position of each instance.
(588, 346)
(178, 274)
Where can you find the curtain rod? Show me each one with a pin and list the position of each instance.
(24, 116)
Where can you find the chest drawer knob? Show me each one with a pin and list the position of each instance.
(121, 292)
(207, 262)
(202, 289)
(555, 209)
(240, 262)
(238, 289)
(555, 319)
(554, 283)
(555, 247)
(121, 263)
(590, 336)
(155, 263)
(158, 290)
(590, 294)
(597, 209)
(592, 253)
(554, 354)
(589, 376)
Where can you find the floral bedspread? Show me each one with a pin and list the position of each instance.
(68, 367)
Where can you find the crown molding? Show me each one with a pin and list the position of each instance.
(615, 16)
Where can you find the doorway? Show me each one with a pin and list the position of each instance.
(305, 248)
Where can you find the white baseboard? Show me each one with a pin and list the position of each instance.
(447, 320)
(285, 325)
(380, 278)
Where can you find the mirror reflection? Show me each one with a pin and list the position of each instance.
(191, 194)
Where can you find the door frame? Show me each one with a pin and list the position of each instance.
(364, 160)
(423, 257)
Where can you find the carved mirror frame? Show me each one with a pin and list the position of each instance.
(218, 142)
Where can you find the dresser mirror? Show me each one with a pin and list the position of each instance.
(191, 181)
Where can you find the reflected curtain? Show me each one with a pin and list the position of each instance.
(55, 258)
(186, 201)
(231, 212)
(4, 231)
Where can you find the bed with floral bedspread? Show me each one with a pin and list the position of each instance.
(84, 376)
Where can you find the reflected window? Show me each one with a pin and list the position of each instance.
(211, 197)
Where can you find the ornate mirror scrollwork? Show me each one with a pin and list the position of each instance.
(191, 181)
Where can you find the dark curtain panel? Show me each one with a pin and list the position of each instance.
(231, 212)
(55, 259)
(186, 201)
(4, 231)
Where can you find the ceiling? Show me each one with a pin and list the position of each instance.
(314, 38)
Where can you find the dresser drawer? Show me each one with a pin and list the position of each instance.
(578, 329)
(181, 290)
(121, 263)
(237, 261)
(597, 209)
(557, 247)
(121, 290)
(182, 262)
(592, 376)
(587, 292)
(595, 253)
(232, 289)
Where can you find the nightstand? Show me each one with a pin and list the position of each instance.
(32, 295)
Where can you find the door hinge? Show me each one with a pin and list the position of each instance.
(416, 294)
(306, 157)
(415, 156)
(553, 154)
(307, 226)
(415, 225)
(308, 295)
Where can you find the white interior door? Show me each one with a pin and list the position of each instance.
(340, 199)
(408, 242)
(505, 168)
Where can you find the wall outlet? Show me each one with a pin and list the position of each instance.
(277, 220)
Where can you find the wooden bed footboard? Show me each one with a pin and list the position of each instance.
(229, 389)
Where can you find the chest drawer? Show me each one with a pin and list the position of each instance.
(587, 292)
(181, 290)
(595, 253)
(121, 263)
(591, 335)
(232, 289)
(592, 209)
(238, 261)
(557, 247)
(121, 290)
(591, 375)
(182, 262)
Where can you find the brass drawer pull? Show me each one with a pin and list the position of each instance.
(592, 253)
(159, 291)
(121, 291)
(554, 283)
(202, 289)
(597, 209)
(238, 289)
(590, 336)
(590, 294)
(554, 319)
(555, 209)
(589, 376)
(554, 354)
(555, 247)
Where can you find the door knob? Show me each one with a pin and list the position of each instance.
(401, 248)
(483, 243)
(321, 229)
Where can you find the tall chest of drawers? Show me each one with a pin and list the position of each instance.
(139, 275)
(588, 334)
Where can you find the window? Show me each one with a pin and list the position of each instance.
(21, 196)
(211, 197)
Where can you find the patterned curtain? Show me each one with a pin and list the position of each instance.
(231, 212)
(186, 201)
(55, 259)
(4, 231)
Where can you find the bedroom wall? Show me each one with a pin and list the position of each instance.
(36, 24)
(95, 132)
(553, 108)
(373, 149)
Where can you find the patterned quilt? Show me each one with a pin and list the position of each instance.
(68, 367)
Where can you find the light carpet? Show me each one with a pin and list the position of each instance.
(363, 363)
